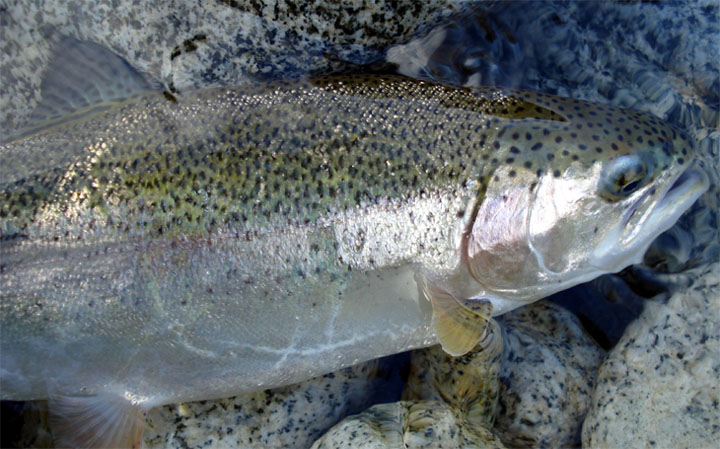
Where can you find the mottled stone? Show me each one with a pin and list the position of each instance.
(448, 402)
(288, 417)
(409, 425)
(659, 386)
(654, 57)
(468, 384)
(186, 45)
(548, 373)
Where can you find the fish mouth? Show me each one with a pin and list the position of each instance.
(682, 193)
(691, 183)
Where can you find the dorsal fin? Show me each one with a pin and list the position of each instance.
(80, 75)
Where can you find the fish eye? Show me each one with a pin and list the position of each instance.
(623, 176)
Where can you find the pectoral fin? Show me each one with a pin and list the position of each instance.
(99, 421)
(459, 324)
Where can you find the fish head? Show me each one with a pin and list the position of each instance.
(599, 187)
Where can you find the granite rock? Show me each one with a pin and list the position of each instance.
(186, 45)
(468, 384)
(543, 379)
(287, 417)
(651, 56)
(410, 425)
(659, 386)
(548, 372)
(448, 402)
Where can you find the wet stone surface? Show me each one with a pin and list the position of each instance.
(292, 416)
(185, 45)
(548, 374)
(659, 385)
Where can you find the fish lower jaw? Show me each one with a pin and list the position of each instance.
(684, 191)
(624, 247)
(677, 199)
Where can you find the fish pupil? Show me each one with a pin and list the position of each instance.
(631, 187)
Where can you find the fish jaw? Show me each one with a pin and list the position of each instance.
(627, 245)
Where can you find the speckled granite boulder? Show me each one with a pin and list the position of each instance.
(548, 373)
(409, 425)
(289, 417)
(659, 386)
(448, 402)
(469, 384)
(186, 44)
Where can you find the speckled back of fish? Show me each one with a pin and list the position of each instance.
(258, 157)
(167, 248)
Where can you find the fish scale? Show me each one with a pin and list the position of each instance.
(162, 249)
(190, 181)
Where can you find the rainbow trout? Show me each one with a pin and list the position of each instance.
(159, 249)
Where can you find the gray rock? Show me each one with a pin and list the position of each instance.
(448, 402)
(659, 386)
(468, 384)
(548, 373)
(410, 425)
(185, 45)
(288, 417)
(654, 57)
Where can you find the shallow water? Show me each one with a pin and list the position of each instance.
(654, 57)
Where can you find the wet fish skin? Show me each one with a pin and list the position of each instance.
(243, 238)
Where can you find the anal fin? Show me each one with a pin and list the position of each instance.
(99, 421)
(459, 324)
